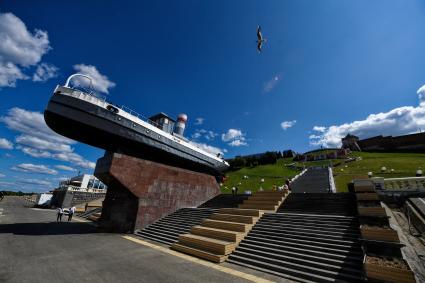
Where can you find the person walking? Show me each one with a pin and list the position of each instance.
(60, 213)
(71, 213)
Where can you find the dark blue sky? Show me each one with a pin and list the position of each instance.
(325, 63)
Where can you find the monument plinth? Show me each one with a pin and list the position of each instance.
(140, 191)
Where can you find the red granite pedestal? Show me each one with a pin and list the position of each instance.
(140, 191)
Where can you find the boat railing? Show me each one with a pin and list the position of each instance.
(102, 98)
(140, 116)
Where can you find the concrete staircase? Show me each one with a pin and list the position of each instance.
(320, 203)
(224, 201)
(314, 180)
(303, 247)
(88, 213)
(219, 235)
(167, 229)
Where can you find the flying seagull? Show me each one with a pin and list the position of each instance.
(260, 39)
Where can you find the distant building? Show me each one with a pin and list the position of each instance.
(76, 190)
(351, 142)
(412, 142)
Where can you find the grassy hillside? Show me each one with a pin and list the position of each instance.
(273, 174)
(404, 165)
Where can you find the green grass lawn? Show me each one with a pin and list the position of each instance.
(404, 165)
(273, 174)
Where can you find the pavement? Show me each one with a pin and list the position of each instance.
(35, 248)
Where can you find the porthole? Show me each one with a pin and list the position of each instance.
(112, 109)
(147, 131)
(134, 125)
(119, 118)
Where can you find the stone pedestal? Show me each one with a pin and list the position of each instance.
(140, 192)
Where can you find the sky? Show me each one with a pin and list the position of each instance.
(328, 68)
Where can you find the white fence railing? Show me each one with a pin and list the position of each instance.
(406, 183)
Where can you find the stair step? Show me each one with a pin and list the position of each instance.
(285, 271)
(266, 197)
(356, 252)
(329, 228)
(303, 267)
(367, 196)
(268, 202)
(259, 206)
(240, 211)
(215, 233)
(320, 233)
(225, 225)
(207, 244)
(165, 231)
(154, 238)
(269, 271)
(234, 218)
(313, 261)
(329, 256)
(199, 253)
(171, 226)
(297, 240)
(270, 193)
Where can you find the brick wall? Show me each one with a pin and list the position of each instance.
(159, 189)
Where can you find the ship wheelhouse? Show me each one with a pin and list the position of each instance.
(163, 122)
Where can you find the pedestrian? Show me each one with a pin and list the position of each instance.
(233, 191)
(1, 196)
(236, 191)
(70, 213)
(60, 213)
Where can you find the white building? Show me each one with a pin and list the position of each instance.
(84, 182)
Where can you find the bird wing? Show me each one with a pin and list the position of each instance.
(259, 46)
(259, 35)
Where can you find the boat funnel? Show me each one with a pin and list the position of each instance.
(181, 124)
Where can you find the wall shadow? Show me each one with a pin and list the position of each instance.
(49, 228)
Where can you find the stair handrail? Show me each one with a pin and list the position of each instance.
(332, 187)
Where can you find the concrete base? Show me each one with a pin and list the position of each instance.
(140, 192)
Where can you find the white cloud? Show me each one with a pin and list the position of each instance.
(100, 82)
(196, 135)
(237, 143)
(208, 135)
(319, 129)
(199, 121)
(234, 137)
(38, 140)
(399, 121)
(19, 48)
(75, 159)
(272, 83)
(35, 152)
(45, 72)
(32, 124)
(288, 124)
(34, 168)
(208, 148)
(231, 135)
(2, 175)
(9, 74)
(35, 182)
(5, 144)
(42, 144)
(65, 168)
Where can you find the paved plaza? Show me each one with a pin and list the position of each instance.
(34, 248)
